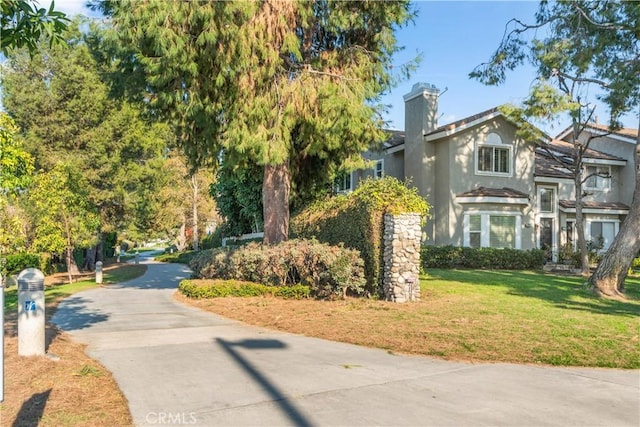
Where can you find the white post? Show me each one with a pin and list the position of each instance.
(31, 312)
(137, 258)
(99, 272)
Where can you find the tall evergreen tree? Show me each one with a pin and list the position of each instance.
(60, 99)
(282, 84)
(587, 43)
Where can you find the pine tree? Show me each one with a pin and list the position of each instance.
(281, 84)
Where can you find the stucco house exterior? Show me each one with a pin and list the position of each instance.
(489, 188)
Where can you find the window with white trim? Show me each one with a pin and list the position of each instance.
(378, 170)
(493, 229)
(493, 157)
(547, 202)
(475, 231)
(342, 183)
(598, 177)
(602, 233)
(502, 231)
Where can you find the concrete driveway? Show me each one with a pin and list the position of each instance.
(177, 365)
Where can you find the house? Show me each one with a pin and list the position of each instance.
(490, 188)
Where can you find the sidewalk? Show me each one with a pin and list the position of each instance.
(180, 366)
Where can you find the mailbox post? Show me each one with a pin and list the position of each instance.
(31, 312)
(99, 272)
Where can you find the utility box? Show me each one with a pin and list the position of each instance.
(31, 337)
(99, 272)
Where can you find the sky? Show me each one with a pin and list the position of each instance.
(453, 38)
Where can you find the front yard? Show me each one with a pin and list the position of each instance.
(473, 315)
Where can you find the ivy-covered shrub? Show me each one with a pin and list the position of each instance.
(199, 289)
(356, 221)
(328, 270)
(481, 258)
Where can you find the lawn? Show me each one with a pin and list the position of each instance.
(73, 390)
(487, 316)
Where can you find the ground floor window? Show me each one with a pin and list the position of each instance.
(602, 234)
(492, 229)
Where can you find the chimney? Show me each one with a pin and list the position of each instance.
(420, 118)
(421, 107)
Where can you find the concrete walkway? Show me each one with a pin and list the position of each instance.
(177, 365)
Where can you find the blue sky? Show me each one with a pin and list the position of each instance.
(453, 37)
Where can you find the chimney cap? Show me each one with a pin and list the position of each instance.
(420, 89)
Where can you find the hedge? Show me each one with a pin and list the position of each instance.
(200, 289)
(328, 270)
(481, 258)
(356, 221)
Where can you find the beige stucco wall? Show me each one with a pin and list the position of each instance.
(623, 177)
(455, 173)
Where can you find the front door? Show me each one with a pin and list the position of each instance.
(546, 236)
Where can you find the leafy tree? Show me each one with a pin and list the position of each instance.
(588, 43)
(22, 25)
(283, 85)
(63, 213)
(238, 197)
(16, 165)
(61, 100)
(184, 200)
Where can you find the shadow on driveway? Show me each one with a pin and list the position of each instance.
(76, 314)
(286, 406)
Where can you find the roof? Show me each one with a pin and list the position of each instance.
(549, 167)
(624, 132)
(396, 138)
(493, 192)
(567, 149)
(465, 121)
(571, 204)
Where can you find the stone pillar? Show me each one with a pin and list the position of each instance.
(402, 236)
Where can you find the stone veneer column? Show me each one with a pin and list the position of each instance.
(401, 257)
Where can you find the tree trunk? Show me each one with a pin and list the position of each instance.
(194, 186)
(609, 277)
(100, 249)
(72, 268)
(276, 187)
(181, 239)
(582, 243)
(89, 263)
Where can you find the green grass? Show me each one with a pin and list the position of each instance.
(56, 292)
(535, 318)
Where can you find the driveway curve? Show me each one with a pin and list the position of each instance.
(178, 365)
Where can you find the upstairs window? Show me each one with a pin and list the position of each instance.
(598, 177)
(378, 170)
(546, 200)
(493, 157)
(343, 183)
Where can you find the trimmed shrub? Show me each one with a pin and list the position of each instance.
(177, 257)
(327, 270)
(17, 262)
(481, 258)
(356, 221)
(201, 289)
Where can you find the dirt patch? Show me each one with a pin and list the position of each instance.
(67, 389)
(72, 391)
